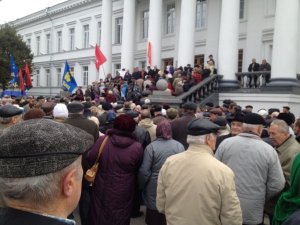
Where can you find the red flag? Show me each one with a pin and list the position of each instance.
(99, 57)
(21, 81)
(28, 77)
(150, 53)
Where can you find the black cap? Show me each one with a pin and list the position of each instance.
(190, 106)
(201, 126)
(75, 107)
(222, 122)
(106, 106)
(239, 117)
(9, 111)
(286, 117)
(254, 118)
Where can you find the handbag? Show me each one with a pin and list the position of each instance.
(90, 174)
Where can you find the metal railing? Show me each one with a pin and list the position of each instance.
(202, 90)
(255, 79)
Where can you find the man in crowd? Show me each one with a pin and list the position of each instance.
(264, 66)
(194, 187)
(41, 173)
(9, 115)
(253, 67)
(179, 125)
(256, 166)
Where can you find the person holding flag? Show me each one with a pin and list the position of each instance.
(68, 81)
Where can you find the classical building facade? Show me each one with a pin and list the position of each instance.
(180, 32)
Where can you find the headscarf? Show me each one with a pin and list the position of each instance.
(164, 130)
(289, 201)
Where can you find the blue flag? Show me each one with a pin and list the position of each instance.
(68, 80)
(13, 69)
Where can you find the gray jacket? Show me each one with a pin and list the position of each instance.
(258, 173)
(155, 155)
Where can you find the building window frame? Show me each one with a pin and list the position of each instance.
(201, 14)
(59, 77)
(38, 45)
(118, 30)
(72, 38)
(240, 60)
(243, 10)
(170, 18)
(48, 43)
(59, 40)
(28, 42)
(86, 35)
(99, 26)
(85, 70)
(145, 24)
(48, 77)
(270, 8)
(37, 72)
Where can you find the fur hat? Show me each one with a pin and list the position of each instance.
(60, 110)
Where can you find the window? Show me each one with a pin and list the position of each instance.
(201, 13)
(119, 27)
(199, 60)
(145, 24)
(143, 64)
(37, 78)
(85, 75)
(240, 60)
(170, 18)
(242, 9)
(58, 72)
(28, 42)
(48, 78)
(86, 36)
(99, 33)
(270, 7)
(59, 41)
(38, 45)
(48, 43)
(72, 38)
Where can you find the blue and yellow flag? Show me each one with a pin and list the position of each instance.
(13, 69)
(68, 80)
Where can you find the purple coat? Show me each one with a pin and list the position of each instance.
(113, 189)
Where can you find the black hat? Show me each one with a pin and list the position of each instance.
(190, 106)
(9, 111)
(43, 146)
(75, 107)
(286, 117)
(157, 108)
(286, 107)
(222, 122)
(200, 126)
(106, 106)
(239, 117)
(209, 104)
(254, 118)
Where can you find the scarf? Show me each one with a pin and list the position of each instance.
(289, 201)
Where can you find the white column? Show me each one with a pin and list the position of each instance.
(128, 40)
(284, 58)
(154, 33)
(106, 37)
(228, 39)
(187, 33)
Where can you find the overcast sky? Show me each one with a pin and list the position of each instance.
(13, 9)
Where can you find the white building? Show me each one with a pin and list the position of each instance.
(180, 31)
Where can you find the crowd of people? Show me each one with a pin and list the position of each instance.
(188, 165)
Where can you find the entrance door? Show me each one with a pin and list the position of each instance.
(199, 60)
(167, 62)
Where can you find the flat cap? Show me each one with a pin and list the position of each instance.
(239, 117)
(222, 122)
(254, 118)
(9, 111)
(190, 106)
(286, 117)
(42, 146)
(75, 107)
(202, 126)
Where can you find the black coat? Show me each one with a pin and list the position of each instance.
(253, 67)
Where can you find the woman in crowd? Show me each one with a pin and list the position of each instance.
(155, 155)
(113, 189)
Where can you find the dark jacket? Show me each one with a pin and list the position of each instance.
(253, 67)
(113, 189)
(179, 128)
(222, 138)
(77, 120)
(10, 216)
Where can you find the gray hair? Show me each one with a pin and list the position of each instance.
(250, 127)
(36, 190)
(200, 140)
(282, 126)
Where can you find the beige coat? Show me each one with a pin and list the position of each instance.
(148, 124)
(196, 189)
